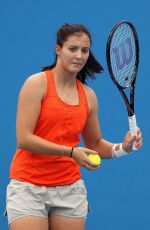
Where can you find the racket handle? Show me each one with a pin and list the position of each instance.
(133, 129)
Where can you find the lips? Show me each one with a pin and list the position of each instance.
(74, 63)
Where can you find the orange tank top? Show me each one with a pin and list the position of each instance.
(60, 123)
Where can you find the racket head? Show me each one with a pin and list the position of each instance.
(122, 54)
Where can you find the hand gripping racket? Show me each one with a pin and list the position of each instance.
(122, 55)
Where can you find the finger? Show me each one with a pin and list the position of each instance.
(139, 143)
(132, 139)
(139, 134)
(90, 151)
(138, 137)
(89, 167)
(138, 146)
(138, 130)
(85, 165)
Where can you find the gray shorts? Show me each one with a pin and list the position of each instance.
(25, 199)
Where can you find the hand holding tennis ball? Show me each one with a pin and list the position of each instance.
(95, 158)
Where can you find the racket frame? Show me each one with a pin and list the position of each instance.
(129, 105)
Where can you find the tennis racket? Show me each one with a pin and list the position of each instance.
(122, 53)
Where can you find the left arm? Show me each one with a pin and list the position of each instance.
(92, 134)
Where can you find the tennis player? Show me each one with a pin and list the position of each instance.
(55, 107)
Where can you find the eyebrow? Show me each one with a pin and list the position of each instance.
(87, 47)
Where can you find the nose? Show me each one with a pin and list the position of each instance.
(78, 54)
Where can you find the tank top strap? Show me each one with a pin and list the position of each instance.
(50, 83)
(82, 94)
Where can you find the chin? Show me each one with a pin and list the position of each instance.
(75, 70)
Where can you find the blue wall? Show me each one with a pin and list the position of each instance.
(119, 193)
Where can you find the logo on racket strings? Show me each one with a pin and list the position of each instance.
(123, 53)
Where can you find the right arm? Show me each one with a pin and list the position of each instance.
(29, 106)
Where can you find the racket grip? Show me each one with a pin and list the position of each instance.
(133, 129)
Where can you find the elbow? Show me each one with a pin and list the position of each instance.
(22, 142)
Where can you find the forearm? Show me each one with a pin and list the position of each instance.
(39, 145)
(109, 150)
(103, 147)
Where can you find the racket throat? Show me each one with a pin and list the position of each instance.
(129, 106)
(132, 99)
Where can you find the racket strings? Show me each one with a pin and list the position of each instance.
(123, 55)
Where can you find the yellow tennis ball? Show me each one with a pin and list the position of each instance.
(95, 158)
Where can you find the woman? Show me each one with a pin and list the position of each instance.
(55, 106)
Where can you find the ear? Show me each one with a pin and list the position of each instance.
(57, 49)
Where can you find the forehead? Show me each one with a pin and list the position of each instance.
(78, 39)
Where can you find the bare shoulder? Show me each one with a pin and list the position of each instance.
(35, 79)
(35, 83)
(91, 97)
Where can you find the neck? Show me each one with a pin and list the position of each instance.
(63, 77)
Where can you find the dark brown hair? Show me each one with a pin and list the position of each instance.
(92, 66)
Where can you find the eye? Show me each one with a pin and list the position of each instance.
(85, 50)
(73, 49)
